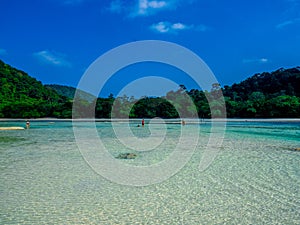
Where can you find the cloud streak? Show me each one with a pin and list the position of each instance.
(166, 27)
(288, 23)
(52, 58)
(146, 7)
(143, 8)
(258, 60)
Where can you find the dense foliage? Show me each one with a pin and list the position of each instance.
(265, 95)
(22, 96)
(275, 94)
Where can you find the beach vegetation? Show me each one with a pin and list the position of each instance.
(264, 95)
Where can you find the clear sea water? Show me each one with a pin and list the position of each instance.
(255, 178)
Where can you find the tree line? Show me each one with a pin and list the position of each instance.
(264, 95)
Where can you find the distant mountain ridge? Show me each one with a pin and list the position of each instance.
(63, 90)
(69, 92)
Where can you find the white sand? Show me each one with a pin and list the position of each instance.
(12, 128)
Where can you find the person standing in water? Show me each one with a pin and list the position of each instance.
(143, 122)
(183, 122)
(27, 124)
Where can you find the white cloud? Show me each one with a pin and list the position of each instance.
(161, 27)
(258, 60)
(146, 7)
(284, 24)
(135, 8)
(3, 51)
(174, 28)
(179, 26)
(287, 23)
(53, 58)
(264, 60)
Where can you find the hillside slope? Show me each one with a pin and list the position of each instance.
(275, 94)
(22, 96)
(279, 82)
(69, 92)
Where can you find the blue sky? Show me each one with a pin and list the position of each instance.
(55, 41)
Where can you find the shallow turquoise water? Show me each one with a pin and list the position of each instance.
(254, 179)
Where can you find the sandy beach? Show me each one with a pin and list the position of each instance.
(253, 179)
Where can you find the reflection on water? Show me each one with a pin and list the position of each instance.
(254, 180)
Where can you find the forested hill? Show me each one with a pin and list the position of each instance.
(275, 94)
(279, 82)
(22, 96)
(69, 92)
(63, 90)
(264, 95)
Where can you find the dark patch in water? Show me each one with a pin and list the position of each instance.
(128, 155)
(11, 139)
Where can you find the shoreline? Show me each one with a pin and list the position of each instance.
(193, 120)
(12, 128)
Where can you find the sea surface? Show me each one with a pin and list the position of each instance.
(253, 179)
